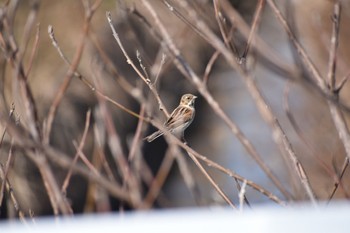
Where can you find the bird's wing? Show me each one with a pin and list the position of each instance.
(181, 115)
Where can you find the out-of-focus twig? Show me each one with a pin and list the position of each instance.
(12, 195)
(136, 139)
(209, 66)
(279, 135)
(6, 171)
(159, 179)
(211, 180)
(77, 155)
(332, 63)
(314, 153)
(260, 45)
(34, 50)
(339, 180)
(184, 169)
(23, 139)
(130, 62)
(114, 143)
(122, 80)
(89, 11)
(223, 30)
(256, 22)
(316, 76)
(24, 98)
(336, 113)
(217, 166)
(184, 67)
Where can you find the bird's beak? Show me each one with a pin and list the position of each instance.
(195, 97)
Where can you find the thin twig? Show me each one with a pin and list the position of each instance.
(339, 183)
(159, 179)
(26, 95)
(6, 171)
(223, 29)
(162, 61)
(12, 110)
(130, 62)
(80, 148)
(211, 180)
(115, 147)
(230, 173)
(189, 179)
(336, 113)
(34, 9)
(183, 18)
(256, 22)
(118, 40)
(264, 50)
(341, 126)
(121, 80)
(342, 82)
(209, 66)
(23, 140)
(137, 136)
(124, 82)
(72, 68)
(58, 202)
(332, 100)
(182, 164)
(332, 63)
(215, 165)
(34, 50)
(226, 171)
(314, 153)
(55, 44)
(32, 121)
(139, 58)
(128, 59)
(315, 74)
(12, 195)
(184, 67)
(278, 134)
(84, 158)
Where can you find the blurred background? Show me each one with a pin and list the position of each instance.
(272, 61)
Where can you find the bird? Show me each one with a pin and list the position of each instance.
(179, 119)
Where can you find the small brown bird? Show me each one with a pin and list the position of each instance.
(179, 119)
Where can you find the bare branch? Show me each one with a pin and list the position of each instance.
(332, 64)
(184, 67)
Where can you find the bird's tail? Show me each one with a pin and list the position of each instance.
(154, 136)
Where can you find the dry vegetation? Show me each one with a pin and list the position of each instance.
(82, 84)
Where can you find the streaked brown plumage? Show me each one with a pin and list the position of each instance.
(179, 119)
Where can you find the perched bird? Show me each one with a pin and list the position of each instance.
(179, 119)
